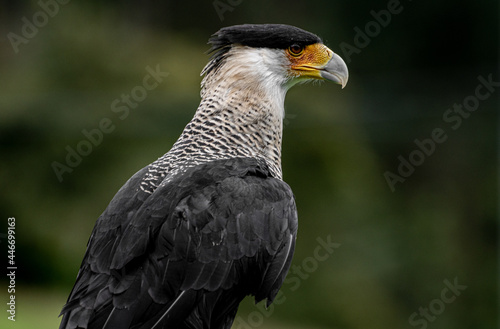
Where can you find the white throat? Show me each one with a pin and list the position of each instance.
(252, 71)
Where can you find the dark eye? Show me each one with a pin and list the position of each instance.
(295, 49)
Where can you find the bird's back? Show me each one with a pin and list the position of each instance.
(187, 254)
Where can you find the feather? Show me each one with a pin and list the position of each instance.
(219, 237)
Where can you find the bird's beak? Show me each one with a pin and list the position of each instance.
(319, 62)
(335, 70)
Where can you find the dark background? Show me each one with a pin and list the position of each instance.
(397, 250)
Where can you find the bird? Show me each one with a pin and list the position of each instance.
(210, 222)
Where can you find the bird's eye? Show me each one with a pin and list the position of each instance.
(295, 50)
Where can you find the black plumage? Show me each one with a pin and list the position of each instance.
(187, 254)
(278, 36)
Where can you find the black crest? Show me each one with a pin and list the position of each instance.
(278, 36)
(263, 36)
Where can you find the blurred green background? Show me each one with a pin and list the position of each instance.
(396, 250)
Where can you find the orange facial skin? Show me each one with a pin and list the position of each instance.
(308, 61)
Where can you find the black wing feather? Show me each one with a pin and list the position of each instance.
(186, 254)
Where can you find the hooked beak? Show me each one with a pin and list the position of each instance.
(335, 70)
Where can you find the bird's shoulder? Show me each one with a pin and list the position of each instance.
(212, 222)
(236, 199)
(217, 200)
(203, 229)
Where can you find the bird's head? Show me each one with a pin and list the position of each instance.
(274, 54)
